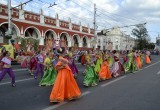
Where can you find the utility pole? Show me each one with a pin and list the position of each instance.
(9, 18)
(9, 32)
(94, 23)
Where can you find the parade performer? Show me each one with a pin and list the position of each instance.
(39, 66)
(72, 64)
(32, 64)
(105, 72)
(124, 57)
(49, 73)
(23, 60)
(117, 68)
(110, 59)
(98, 63)
(65, 86)
(142, 57)
(138, 60)
(130, 65)
(7, 68)
(91, 77)
(83, 61)
(148, 61)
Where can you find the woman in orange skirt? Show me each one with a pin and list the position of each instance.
(83, 61)
(138, 61)
(148, 61)
(104, 71)
(65, 86)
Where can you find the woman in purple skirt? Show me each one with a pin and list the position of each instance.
(72, 64)
(6, 60)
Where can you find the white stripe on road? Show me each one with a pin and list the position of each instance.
(16, 81)
(63, 103)
(158, 73)
(108, 83)
(151, 65)
(20, 70)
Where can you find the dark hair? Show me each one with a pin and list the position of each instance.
(61, 51)
(5, 53)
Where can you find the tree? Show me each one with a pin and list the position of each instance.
(142, 36)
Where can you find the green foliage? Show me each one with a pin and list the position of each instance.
(36, 44)
(142, 36)
(31, 41)
(23, 44)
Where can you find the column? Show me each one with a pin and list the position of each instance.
(70, 23)
(41, 41)
(80, 43)
(80, 26)
(21, 12)
(89, 30)
(57, 20)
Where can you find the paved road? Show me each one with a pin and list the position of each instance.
(139, 91)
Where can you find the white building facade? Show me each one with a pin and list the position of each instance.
(115, 40)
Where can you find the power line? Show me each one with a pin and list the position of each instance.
(23, 3)
(119, 15)
(83, 7)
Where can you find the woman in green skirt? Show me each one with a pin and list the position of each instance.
(91, 77)
(50, 72)
(130, 65)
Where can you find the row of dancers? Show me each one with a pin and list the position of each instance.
(58, 68)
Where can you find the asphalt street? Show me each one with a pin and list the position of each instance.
(138, 91)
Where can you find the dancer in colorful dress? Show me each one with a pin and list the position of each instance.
(138, 60)
(110, 59)
(72, 64)
(91, 77)
(32, 64)
(7, 68)
(39, 66)
(23, 61)
(142, 57)
(98, 63)
(147, 58)
(117, 68)
(105, 72)
(83, 61)
(124, 57)
(130, 65)
(49, 73)
(65, 86)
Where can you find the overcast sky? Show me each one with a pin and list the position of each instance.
(110, 13)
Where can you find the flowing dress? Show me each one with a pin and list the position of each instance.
(148, 61)
(50, 74)
(104, 72)
(65, 86)
(98, 65)
(91, 77)
(130, 65)
(72, 66)
(110, 61)
(24, 62)
(142, 59)
(138, 61)
(117, 67)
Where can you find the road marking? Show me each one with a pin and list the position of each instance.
(63, 103)
(158, 73)
(16, 81)
(18, 70)
(151, 65)
(108, 83)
